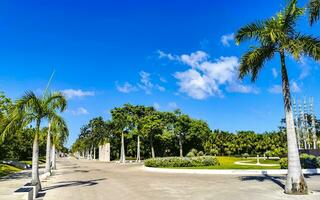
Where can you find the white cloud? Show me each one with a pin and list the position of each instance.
(242, 88)
(194, 59)
(196, 85)
(205, 77)
(145, 82)
(160, 88)
(295, 87)
(126, 88)
(304, 67)
(79, 111)
(275, 89)
(156, 106)
(72, 93)
(226, 39)
(172, 105)
(165, 55)
(274, 72)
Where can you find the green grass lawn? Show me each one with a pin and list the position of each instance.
(228, 163)
(7, 169)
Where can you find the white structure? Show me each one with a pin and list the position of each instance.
(104, 152)
(305, 124)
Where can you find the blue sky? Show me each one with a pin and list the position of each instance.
(170, 54)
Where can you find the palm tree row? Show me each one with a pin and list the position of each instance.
(278, 35)
(32, 109)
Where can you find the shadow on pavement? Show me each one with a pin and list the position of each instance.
(16, 176)
(278, 180)
(73, 184)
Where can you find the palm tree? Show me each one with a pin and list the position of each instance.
(278, 35)
(33, 109)
(60, 102)
(314, 11)
(60, 134)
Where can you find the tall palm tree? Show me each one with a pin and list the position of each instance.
(278, 35)
(34, 109)
(60, 134)
(314, 11)
(61, 102)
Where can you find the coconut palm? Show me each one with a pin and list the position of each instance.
(314, 11)
(34, 109)
(60, 134)
(278, 35)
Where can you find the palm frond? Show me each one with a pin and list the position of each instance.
(314, 11)
(250, 31)
(308, 45)
(253, 61)
(55, 100)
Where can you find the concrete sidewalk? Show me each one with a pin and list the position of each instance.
(84, 179)
(12, 182)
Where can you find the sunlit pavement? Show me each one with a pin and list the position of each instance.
(83, 179)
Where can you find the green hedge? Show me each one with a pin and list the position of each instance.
(307, 162)
(182, 162)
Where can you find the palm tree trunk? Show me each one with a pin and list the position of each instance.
(94, 153)
(54, 157)
(180, 145)
(152, 148)
(48, 150)
(122, 153)
(138, 150)
(35, 159)
(295, 183)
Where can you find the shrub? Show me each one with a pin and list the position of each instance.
(200, 153)
(284, 163)
(245, 155)
(307, 162)
(190, 154)
(182, 162)
(214, 152)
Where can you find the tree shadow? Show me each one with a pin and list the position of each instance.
(278, 180)
(73, 184)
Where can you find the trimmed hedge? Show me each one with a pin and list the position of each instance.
(307, 162)
(182, 162)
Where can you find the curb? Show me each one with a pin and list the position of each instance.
(228, 171)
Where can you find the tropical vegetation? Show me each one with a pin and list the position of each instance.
(278, 35)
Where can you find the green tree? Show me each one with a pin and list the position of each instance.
(60, 133)
(278, 35)
(31, 108)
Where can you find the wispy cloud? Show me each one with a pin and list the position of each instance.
(76, 93)
(79, 111)
(275, 89)
(145, 84)
(156, 105)
(295, 87)
(126, 88)
(274, 72)
(172, 105)
(226, 39)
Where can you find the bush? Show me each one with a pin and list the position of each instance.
(214, 152)
(200, 153)
(284, 163)
(307, 162)
(192, 153)
(245, 155)
(182, 162)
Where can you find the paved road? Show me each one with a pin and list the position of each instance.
(82, 179)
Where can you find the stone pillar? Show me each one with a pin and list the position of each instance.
(104, 152)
